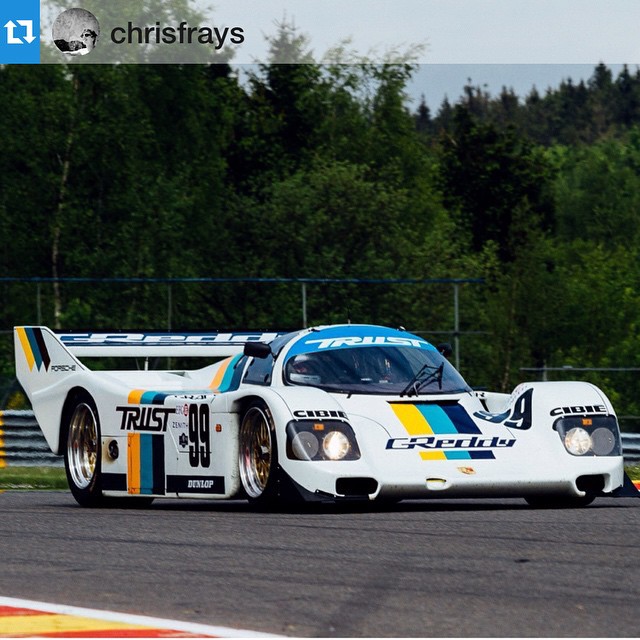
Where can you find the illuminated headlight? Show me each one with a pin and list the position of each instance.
(590, 435)
(577, 441)
(327, 440)
(335, 445)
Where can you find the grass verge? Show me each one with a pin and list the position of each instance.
(31, 478)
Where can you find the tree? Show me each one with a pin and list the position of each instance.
(488, 176)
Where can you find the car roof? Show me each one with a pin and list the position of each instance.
(326, 338)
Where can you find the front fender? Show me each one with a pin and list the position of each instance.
(539, 404)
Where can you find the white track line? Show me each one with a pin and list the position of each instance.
(113, 616)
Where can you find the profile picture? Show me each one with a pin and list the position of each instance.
(76, 32)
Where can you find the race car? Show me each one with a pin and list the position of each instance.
(331, 413)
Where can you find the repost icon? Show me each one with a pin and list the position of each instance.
(20, 32)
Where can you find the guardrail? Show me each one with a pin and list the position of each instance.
(23, 445)
(631, 447)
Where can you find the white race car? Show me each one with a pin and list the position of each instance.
(342, 412)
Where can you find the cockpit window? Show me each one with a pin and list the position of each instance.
(375, 369)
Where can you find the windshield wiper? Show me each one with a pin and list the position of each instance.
(426, 374)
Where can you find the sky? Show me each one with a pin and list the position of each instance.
(518, 44)
(495, 43)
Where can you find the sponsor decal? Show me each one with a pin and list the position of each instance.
(195, 484)
(145, 418)
(433, 442)
(442, 431)
(63, 367)
(183, 440)
(321, 413)
(199, 484)
(142, 339)
(363, 341)
(578, 410)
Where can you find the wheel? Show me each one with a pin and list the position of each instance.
(560, 502)
(82, 452)
(258, 454)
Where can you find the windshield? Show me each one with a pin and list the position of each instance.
(376, 369)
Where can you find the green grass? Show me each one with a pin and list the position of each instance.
(32, 478)
(633, 471)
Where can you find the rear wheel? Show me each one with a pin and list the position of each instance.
(258, 454)
(82, 451)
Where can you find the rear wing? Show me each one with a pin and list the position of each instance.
(36, 342)
(151, 345)
(41, 355)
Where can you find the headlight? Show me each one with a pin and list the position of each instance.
(590, 435)
(335, 445)
(328, 440)
(577, 441)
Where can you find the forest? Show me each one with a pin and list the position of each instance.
(321, 171)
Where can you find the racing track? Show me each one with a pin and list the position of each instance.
(458, 568)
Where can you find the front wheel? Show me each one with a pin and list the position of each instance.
(258, 454)
(82, 451)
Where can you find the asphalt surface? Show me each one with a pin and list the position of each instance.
(456, 568)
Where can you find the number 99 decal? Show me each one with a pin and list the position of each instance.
(199, 436)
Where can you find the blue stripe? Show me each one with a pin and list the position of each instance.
(457, 455)
(482, 455)
(34, 347)
(438, 420)
(228, 374)
(146, 463)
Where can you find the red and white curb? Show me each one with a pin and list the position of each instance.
(27, 619)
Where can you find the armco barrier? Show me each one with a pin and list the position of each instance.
(22, 442)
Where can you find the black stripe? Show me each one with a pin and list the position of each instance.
(114, 481)
(44, 354)
(157, 447)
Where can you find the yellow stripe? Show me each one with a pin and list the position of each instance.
(135, 396)
(433, 455)
(412, 420)
(26, 347)
(133, 463)
(217, 379)
(11, 626)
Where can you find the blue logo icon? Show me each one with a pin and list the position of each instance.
(20, 32)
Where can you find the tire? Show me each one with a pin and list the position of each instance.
(258, 455)
(560, 502)
(82, 453)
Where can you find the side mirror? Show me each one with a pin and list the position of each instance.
(257, 349)
(445, 349)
